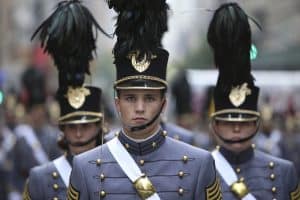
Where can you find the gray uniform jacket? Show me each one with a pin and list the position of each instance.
(266, 176)
(177, 171)
(178, 133)
(45, 183)
(24, 158)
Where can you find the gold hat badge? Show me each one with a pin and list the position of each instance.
(76, 96)
(141, 65)
(238, 94)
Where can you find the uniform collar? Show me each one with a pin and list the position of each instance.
(237, 158)
(144, 147)
(69, 158)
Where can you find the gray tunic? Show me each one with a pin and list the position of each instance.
(161, 158)
(178, 133)
(44, 182)
(24, 158)
(266, 176)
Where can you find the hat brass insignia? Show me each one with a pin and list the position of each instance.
(238, 94)
(76, 96)
(142, 65)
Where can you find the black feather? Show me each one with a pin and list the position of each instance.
(140, 26)
(69, 35)
(229, 36)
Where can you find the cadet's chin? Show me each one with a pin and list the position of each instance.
(237, 147)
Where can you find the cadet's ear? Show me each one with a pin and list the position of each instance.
(117, 104)
(213, 125)
(165, 102)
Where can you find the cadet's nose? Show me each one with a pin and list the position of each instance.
(78, 131)
(139, 106)
(236, 127)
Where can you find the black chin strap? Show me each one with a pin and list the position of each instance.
(236, 141)
(141, 127)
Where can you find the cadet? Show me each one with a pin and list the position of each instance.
(82, 130)
(36, 138)
(142, 162)
(246, 173)
(7, 142)
(70, 42)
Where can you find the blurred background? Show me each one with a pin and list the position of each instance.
(191, 72)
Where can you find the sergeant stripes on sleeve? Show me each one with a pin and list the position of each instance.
(25, 195)
(213, 192)
(73, 194)
(295, 195)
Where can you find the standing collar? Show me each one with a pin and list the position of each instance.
(237, 158)
(144, 147)
(69, 158)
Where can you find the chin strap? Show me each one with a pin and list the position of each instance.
(141, 127)
(237, 141)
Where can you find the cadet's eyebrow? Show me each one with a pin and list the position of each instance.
(150, 95)
(128, 95)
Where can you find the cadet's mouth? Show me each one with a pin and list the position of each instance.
(139, 120)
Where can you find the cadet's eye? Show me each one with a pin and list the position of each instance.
(150, 98)
(86, 126)
(71, 126)
(130, 98)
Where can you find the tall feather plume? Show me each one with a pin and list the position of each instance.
(69, 35)
(140, 26)
(229, 36)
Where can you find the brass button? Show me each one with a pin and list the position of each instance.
(180, 191)
(218, 147)
(102, 177)
(238, 170)
(55, 186)
(153, 144)
(274, 189)
(253, 146)
(117, 134)
(102, 193)
(181, 174)
(55, 198)
(185, 159)
(165, 133)
(127, 145)
(272, 177)
(98, 161)
(142, 162)
(242, 179)
(54, 175)
(271, 165)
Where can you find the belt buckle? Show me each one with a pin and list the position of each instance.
(240, 189)
(144, 187)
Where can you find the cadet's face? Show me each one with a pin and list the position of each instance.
(138, 107)
(38, 115)
(235, 131)
(79, 134)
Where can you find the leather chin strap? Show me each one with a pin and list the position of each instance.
(144, 126)
(237, 141)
